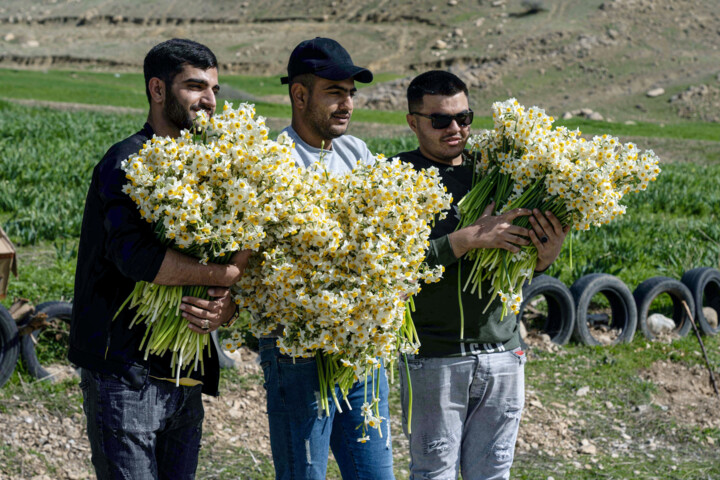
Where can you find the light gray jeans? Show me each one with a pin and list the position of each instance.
(465, 414)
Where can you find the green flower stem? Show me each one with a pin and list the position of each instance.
(462, 313)
(499, 265)
(410, 395)
(321, 380)
(158, 306)
(331, 386)
(377, 395)
(332, 372)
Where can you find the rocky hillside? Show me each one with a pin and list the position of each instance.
(563, 54)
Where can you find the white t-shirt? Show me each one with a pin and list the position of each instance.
(345, 153)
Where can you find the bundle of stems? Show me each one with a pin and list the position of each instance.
(158, 307)
(332, 372)
(506, 271)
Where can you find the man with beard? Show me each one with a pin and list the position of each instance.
(467, 393)
(321, 79)
(140, 424)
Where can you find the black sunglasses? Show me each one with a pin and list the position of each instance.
(442, 120)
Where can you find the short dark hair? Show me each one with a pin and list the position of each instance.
(165, 60)
(305, 79)
(434, 82)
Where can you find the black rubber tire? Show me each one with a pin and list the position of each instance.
(650, 289)
(9, 345)
(704, 282)
(223, 359)
(622, 305)
(59, 310)
(560, 320)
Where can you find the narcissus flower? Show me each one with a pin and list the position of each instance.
(524, 163)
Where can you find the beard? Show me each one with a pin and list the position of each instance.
(176, 113)
(323, 125)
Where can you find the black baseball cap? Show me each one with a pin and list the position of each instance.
(325, 58)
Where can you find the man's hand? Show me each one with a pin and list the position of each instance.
(548, 236)
(237, 265)
(205, 316)
(491, 231)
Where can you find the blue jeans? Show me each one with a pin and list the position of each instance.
(301, 434)
(137, 432)
(465, 414)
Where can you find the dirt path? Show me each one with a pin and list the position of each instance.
(564, 55)
(237, 419)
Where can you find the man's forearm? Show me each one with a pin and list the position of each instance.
(179, 269)
(458, 242)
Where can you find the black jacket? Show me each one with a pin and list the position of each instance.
(437, 310)
(117, 249)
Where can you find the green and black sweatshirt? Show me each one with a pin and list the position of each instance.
(437, 308)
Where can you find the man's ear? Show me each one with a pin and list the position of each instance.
(412, 122)
(299, 94)
(157, 90)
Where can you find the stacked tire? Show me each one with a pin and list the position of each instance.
(649, 290)
(9, 345)
(704, 286)
(560, 319)
(623, 318)
(57, 313)
(569, 310)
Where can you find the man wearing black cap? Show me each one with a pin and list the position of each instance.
(321, 79)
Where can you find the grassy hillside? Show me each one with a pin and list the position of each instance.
(601, 54)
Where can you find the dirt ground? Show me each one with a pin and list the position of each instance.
(237, 418)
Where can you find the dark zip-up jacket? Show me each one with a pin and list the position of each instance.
(437, 309)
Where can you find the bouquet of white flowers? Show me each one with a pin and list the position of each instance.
(208, 195)
(333, 282)
(338, 254)
(525, 163)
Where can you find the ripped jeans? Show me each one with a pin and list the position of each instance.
(465, 414)
(301, 434)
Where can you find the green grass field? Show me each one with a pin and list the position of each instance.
(127, 90)
(47, 157)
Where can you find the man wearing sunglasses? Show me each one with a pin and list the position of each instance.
(440, 121)
(467, 393)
